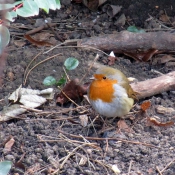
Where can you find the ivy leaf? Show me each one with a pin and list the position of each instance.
(58, 5)
(4, 37)
(48, 81)
(71, 63)
(11, 16)
(5, 167)
(134, 29)
(43, 4)
(30, 8)
(6, 6)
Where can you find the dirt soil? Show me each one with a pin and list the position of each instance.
(40, 148)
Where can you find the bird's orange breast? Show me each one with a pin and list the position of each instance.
(102, 89)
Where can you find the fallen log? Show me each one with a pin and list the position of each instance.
(131, 42)
(155, 86)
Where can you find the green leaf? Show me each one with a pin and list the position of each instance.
(52, 4)
(18, 2)
(71, 63)
(58, 5)
(11, 16)
(43, 4)
(62, 81)
(134, 29)
(6, 6)
(48, 81)
(4, 37)
(5, 167)
(30, 8)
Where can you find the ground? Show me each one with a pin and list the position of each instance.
(38, 137)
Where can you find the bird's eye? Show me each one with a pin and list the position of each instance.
(104, 78)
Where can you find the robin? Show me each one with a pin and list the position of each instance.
(110, 93)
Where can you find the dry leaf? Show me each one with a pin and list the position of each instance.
(153, 121)
(83, 120)
(121, 20)
(20, 165)
(164, 110)
(83, 160)
(9, 145)
(37, 43)
(28, 97)
(166, 58)
(170, 64)
(164, 18)
(19, 43)
(32, 101)
(16, 95)
(12, 111)
(93, 4)
(111, 10)
(145, 105)
(73, 90)
(142, 55)
(122, 125)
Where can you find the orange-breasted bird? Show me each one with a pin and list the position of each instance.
(110, 93)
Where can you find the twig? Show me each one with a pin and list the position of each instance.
(104, 139)
(161, 23)
(29, 66)
(86, 47)
(130, 165)
(30, 109)
(39, 64)
(55, 33)
(157, 168)
(69, 155)
(66, 74)
(167, 166)
(95, 59)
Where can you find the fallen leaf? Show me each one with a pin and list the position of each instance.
(164, 18)
(170, 64)
(20, 166)
(122, 125)
(19, 43)
(8, 145)
(166, 58)
(141, 55)
(37, 43)
(83, 160)
(111, 10)
(10, 112)
(121, 20)
(92, 4)
(73, 90)
(163, 110)
(155, 122)
(32, 101)
(83, 120)
(145, 105)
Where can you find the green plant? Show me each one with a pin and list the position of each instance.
(70, 64)
(24, 8)
(134, 29)
(5, 167)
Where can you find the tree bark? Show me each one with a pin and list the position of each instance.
(155, 86)
(131, 42)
